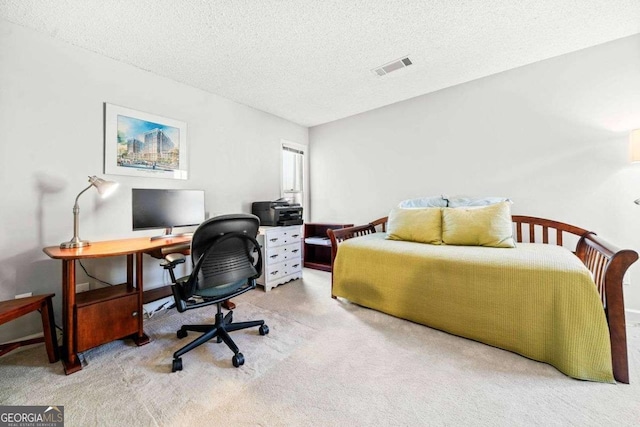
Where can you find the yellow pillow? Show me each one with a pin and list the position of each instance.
(423, 225)
(478, 226)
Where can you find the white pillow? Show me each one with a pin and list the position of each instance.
(457, 202)
(424, 202)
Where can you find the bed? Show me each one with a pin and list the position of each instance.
(541, 300)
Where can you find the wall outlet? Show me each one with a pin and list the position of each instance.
(82, 287)
(25, 295)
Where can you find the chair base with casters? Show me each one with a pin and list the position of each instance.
(220, 331)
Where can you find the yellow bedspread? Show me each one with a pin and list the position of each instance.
(536, 300)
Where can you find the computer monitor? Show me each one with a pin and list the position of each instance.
(162, 208)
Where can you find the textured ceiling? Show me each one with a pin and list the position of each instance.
(310, 61)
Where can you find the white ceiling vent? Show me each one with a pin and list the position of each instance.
(392, 66)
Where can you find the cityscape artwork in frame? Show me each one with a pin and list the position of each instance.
(142, 144)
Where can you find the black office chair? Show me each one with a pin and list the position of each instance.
(226, 263)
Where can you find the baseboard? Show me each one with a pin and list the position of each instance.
(633, 316)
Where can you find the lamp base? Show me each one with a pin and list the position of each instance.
(73, 244)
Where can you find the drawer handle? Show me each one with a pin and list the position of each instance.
(275, 239)
(274, 256)
(295, 250)
(295, 265)
(273, 273)
(134, 314)
(295, 235)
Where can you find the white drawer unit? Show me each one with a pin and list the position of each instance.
(281, 255)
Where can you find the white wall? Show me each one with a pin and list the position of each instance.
(552, 136)
(51, 139)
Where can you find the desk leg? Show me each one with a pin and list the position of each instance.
(140, 338)
(70, 359)
(130, 272)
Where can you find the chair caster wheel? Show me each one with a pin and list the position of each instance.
(264, 330)
(237, 360)
(177, 365)
(182, 333)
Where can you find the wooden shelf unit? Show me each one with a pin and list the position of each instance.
(317, 246)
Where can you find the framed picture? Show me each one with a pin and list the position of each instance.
(142, 144)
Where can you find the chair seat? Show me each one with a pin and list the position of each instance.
(217, 291)
(221, 290)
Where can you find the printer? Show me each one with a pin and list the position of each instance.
(277, 213)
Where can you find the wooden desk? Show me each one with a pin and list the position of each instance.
(102, 315)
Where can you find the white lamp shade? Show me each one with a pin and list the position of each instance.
(104, 187)
(634, 145)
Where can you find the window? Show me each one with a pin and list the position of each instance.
(293, 172)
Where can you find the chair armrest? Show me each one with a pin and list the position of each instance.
(171, 260)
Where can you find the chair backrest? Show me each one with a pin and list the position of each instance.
(222, 250)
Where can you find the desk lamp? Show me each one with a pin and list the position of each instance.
(105, 188)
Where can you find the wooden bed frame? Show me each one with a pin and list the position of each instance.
(607, 263)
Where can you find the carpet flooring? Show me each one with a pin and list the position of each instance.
(324, 363)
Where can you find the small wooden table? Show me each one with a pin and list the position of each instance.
(12, 309)
(102, 315)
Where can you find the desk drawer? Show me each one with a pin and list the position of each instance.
(105, 321)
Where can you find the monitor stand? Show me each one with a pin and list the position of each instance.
(168, 234)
